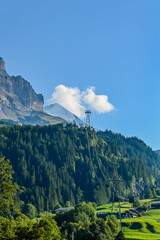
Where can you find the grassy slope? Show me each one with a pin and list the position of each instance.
(145, 227)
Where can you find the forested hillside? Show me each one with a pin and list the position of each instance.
(52, 164)
(133, 148)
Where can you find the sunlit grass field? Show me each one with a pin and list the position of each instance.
(108, 207)
(145, 227)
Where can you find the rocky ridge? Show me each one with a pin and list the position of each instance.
(19, 102)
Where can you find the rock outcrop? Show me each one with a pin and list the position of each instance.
(19, 102)
(2, 64)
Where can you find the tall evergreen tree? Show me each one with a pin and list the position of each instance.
(7, 188)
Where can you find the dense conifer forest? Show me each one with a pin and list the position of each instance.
(53, 164)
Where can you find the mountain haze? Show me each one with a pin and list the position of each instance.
(59, 111)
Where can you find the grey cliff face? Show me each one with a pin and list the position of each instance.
(17, 95)
(2, 64)
(20, 103)
(26, 94)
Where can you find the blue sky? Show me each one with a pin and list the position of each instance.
(111, 45)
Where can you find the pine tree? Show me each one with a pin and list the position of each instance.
(7, 188)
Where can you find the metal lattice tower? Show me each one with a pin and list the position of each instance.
(88, 121)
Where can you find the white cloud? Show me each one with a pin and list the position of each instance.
(98, 102)
(73, 100)
(70, 98)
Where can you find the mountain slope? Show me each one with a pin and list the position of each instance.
(132, 147)
(52, 164)
(19, 102)
(59, 111)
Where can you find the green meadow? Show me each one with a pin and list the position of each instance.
(145, 227)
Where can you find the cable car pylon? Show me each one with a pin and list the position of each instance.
(88, 120)
(108, 181)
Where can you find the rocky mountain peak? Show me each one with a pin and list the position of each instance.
(17, 96)
(2, 64)
(20, 103)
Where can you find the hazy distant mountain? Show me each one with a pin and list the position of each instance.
(20, 103)
(59, 111)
